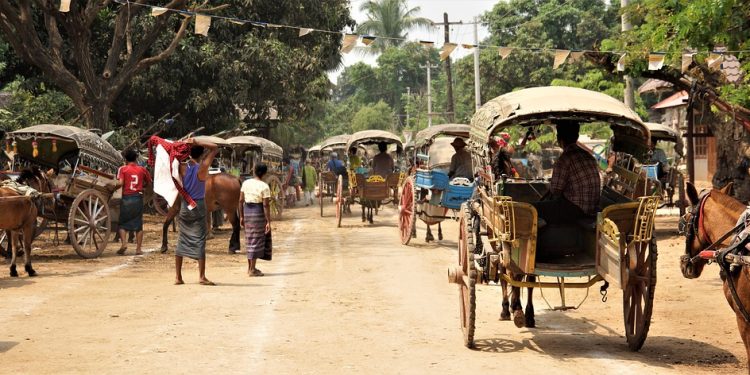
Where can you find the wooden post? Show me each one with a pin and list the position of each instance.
(690, 138)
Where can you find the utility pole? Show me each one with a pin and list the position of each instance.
(429, 67)
(477, 93)
(408, 97)
(629, 89)
(447, 63)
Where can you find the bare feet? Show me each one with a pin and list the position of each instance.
(179, 282)
(254, 273)
(138, 252)
(206, 282)
(122, 250)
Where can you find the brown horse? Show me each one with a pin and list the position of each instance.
(709, 219)
(222, 191)
(20, 215)
(502, 165)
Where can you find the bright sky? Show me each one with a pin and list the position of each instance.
(458, 10)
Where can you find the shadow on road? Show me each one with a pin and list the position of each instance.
(7, 345)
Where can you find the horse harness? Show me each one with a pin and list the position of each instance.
(729, 259)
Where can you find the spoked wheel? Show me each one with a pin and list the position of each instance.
(160, 204)
(277, 197)
(89, 224)
(321, 190)
(638, 296)
(407, 212)
(466, 276)
(339, 201)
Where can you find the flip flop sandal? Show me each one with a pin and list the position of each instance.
(122, 251)
(179, 282)
(206, 282)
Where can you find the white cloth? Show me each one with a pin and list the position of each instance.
(164, 185)
(255, 190)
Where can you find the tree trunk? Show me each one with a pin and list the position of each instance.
(733, 155)
(98, 116)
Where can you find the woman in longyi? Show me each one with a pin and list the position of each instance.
(255, 198)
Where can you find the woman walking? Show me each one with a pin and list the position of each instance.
(192, 217)
(255, 197)
(309, 181)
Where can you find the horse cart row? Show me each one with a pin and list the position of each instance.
(76, 171)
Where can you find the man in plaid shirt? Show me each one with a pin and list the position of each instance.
(576, 186)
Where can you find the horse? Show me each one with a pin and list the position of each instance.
(710, 219)
(20, 213)
(222, 191)
(502, 165)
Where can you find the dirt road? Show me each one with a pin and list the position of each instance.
(349, 300)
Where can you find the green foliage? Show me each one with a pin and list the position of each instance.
(33, 103)
(391, 20)
(378, 116)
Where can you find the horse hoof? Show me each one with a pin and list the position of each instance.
(518, 319)
(30, 271)
(163, 250)
(440, 237)
(13, 272)
(530, 323)
(505, 315)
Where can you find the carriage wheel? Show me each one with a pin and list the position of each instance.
(339, 201)
(638, 295)
(89, 224)
(321, 185)
(407, 212)
(467, 283)
(277, 197)
(160, 204)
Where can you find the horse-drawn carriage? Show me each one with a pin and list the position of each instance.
(429, 193)
(327, 179)
(249, 151)
(667, 152)
(82, 177)
(500, 239)
(364, 186)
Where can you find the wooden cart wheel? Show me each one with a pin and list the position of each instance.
(89, 224)
(407, 212)
(277, 197)
(638, 295)
(321, 190)
(160, 204)
(339, 201)
(467, 283)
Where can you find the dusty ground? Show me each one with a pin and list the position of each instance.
(349, 300)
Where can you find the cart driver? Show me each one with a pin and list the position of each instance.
(460, 161)
(575, 188)
(382, 163)
(354, 160)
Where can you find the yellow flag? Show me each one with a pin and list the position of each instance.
(504, 52)
(714, 60)
(368, 39)
(65, 6)
(467, 46)
(158, 11)
(446, 50)
(621, 63)
(687, 59)
(655, 61)
(575, 56)
(560, 56)
(350, 40)
(202, 24)
(304, 31)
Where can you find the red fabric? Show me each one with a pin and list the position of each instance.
(576, 177)
(133, 176)
(176, 150)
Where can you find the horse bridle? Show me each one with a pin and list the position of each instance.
(692, 229)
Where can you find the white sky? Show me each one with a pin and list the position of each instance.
(458, 10)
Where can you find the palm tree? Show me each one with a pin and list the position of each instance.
(389, 19)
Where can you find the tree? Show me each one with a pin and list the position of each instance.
(378, 116)
(64, 46)
(390, 20)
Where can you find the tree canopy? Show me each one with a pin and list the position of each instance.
(391, 21)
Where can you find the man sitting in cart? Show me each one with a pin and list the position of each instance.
(354, 160)
(461, 161)
(337, 167)
(575, 188)
(382, 163)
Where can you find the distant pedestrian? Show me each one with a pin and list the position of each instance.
(309, 181)
(255, 198)
(132, 177)
(191, 242)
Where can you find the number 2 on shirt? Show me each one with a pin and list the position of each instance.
(134, 183)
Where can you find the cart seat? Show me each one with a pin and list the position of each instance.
(587, 223)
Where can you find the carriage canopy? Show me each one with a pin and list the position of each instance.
(55, 142)
(451, 130)
(539, 105)
(267, 147)
(315, 148)
(666, 133)
(369, 137)
(337, 141)
(221, 142)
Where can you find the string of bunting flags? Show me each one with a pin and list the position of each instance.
(350, 41)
